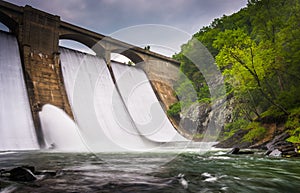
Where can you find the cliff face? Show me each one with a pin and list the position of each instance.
(196, 118)
(204, 120)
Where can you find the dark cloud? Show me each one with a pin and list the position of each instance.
(107, 16)
(115, 18)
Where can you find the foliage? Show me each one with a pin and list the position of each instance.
(174, 110)
(198, 136)
(256, 132)
(295, 136)
(293, 124)
(191, 85)
(231, 128)
(272, 112)
(258, 51)
(290, 98)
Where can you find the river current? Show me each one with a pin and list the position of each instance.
(212, 171)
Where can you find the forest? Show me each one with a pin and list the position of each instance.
(257, 51)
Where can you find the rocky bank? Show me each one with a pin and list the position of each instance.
(202, 121)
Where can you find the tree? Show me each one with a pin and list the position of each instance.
(245, 63)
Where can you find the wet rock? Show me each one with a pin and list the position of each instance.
(23, 174)
(278, 152)
(278, 147)
(182, 181)
(46, 173)
(278, 140)
(236, 150)
(275, 153)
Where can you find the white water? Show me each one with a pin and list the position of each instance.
(143, 105)
(94, 100)
(16, 126)
(60, 131)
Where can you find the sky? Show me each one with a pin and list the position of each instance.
(153, 22)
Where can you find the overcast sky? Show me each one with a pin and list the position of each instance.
(115, 17)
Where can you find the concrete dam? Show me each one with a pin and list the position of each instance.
(57, 98)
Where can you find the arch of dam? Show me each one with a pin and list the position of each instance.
(38, 34)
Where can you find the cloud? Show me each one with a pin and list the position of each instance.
(107, 16)
(111, 16)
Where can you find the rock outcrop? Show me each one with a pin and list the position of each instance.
(205, 118)
(279, 147)
(196, 118)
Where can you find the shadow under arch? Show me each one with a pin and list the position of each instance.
(134, 57)
(10, 23)
(89, 42)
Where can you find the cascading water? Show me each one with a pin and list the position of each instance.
(16, 126)
(94, 100)
(60, 131)
(142, 104)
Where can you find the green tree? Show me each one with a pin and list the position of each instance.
(245, 63)
(257, 50)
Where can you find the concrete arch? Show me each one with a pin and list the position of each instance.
(9, 22)
(89, 42)
(133, 56)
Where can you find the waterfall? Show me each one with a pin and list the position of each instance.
(60, 131)
(94, 101)
(16, 126)
(143, 105)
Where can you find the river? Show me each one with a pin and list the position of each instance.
(212, 171)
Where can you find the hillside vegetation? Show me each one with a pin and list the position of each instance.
(258, 52)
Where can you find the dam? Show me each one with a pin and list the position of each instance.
(57, 98)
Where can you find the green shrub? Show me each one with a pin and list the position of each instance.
(204, 100)
(290, 98)
(256, 132)
(293, 124)
(272, 112)
(174, 110)
(295, 136)
(198, 136)
(295, 112)
(233, 127)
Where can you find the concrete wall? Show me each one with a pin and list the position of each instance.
(162, 76)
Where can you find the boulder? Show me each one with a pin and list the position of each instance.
(275, 153)
(236, 150)
(23, 174)
(278, 140)
(279, 147)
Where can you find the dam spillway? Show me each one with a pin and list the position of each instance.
(143, 105)
(121, 116)
(17, 130)
(125, 116)
(90, 90)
